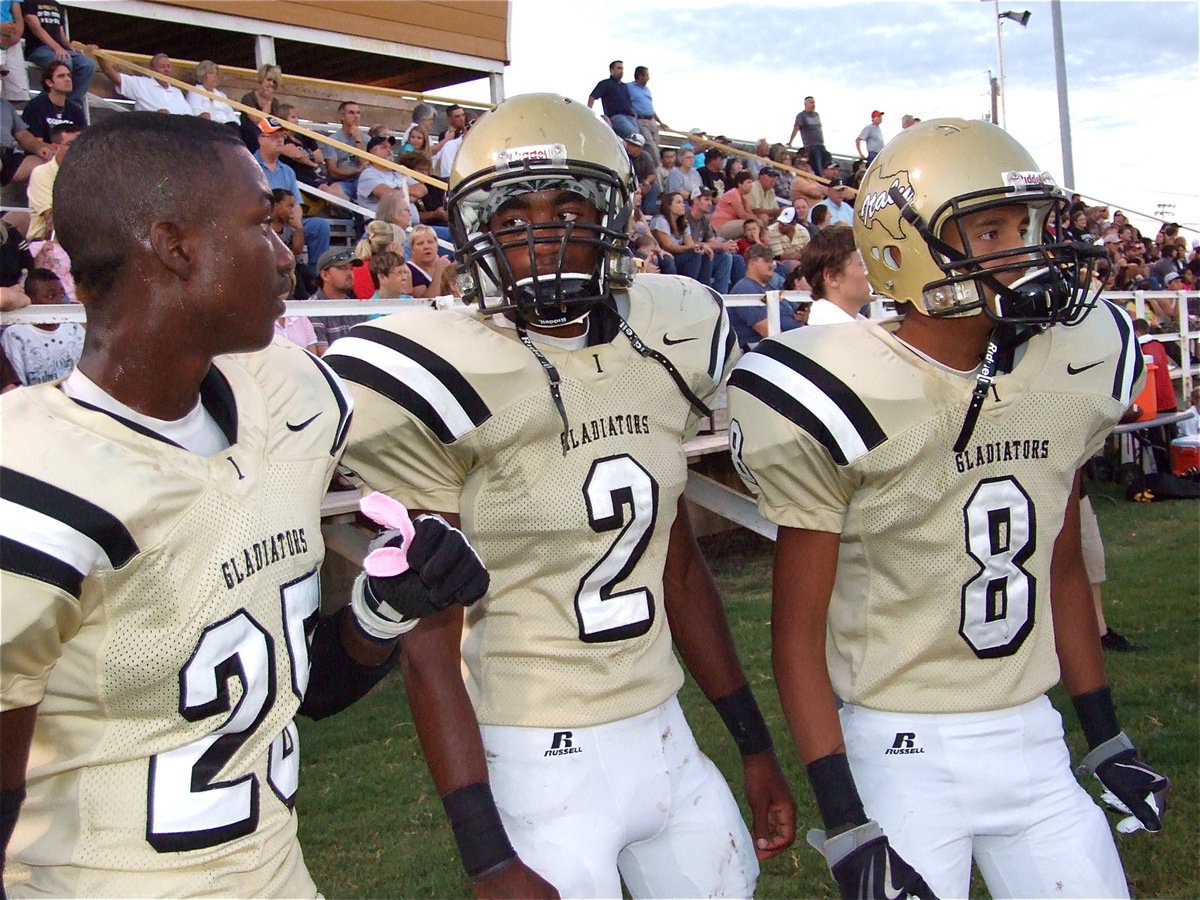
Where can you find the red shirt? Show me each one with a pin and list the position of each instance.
(1164, 388)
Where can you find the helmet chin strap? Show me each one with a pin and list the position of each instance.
(1003, 341)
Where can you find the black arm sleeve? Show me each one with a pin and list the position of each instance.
(335, 680)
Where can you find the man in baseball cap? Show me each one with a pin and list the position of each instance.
(872, 136)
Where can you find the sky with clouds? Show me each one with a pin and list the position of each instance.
(743, 69)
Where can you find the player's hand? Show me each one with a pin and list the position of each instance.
(515, 880)
(866, 867)
(771, 805)
(1131, 786)
(443, 569)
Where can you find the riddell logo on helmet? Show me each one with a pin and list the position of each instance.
(1034, 180)
(878, 206)
(533, 153)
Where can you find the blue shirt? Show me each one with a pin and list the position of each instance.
(639, 96)
(614, 97)
(283, 178)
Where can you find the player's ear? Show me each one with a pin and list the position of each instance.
(174, 246)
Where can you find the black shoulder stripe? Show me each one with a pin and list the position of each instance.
(789, 407)
(848, 402)
(75, 512)
(338, 391)
(217, 396)
(21, 559)
(1129, 364)
(360, 372)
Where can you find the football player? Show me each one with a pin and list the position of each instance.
(161, 541)
(928, 570)
(549, 422)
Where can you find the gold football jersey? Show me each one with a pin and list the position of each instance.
(941, 597)
(453, 413)
(155, 607)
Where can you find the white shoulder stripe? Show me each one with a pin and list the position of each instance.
(813, 398)
(413, 375)
(52, 537)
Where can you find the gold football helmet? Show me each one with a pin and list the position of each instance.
(922, 184)
(539, 142)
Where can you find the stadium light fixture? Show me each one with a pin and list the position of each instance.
(1022, 19)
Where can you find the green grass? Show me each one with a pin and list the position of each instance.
(372, 825)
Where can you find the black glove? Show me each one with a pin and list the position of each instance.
(1131, 786)
(866, 867)
(443, 569)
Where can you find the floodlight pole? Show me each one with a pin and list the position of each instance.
(1064, 114)
(1000, 54)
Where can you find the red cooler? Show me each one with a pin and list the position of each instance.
(1185, 454)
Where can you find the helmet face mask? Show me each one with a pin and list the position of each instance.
(911, 225)
(512, 178)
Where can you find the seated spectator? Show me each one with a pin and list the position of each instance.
(818, 217)
(377, 181)
(287, 222)
(1191, 425)
(208, 76)
(840, 212)
(1164, 389)
(727, 265)
(836, 275)
(262, 98)
(429, 200)
(335, 271)
(20, 150)
(783, 178)
(668, 157)
(857, 170)
(683, 179)
(787, 241)
(761, 199)
(46, 39)
(299, 331)
(345, 167)
(750, 322)
(802, 208)
(712, 175)
(391, 276)
(270, 146)
(53, 106)
(670, 229)
(396, 210)
(426, 263)
(752, 234)
(762, 151)
(42, 351)
(378, 237)
(448, 284)
(733, 166)
(41, 182)
(305, 156)
(732, 210)
(422, 117)
(1078, 229)
(148, 94)
(644, 172)
(653, 258)
(14, 80)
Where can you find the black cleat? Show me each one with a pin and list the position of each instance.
(1114, 640)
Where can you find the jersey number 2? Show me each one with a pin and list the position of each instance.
(188, 808)
(997, 604)
(613, 485)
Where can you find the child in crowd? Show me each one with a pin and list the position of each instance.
(1191, 425)
(42, 351)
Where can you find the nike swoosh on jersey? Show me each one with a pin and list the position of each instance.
(1071, 370)
(671, 342)
(302, 425)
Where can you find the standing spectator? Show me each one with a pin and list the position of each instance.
(908, 121)
(20, 149)
(808, 124)
(787, 240)
(836, 277)
(613, 95)
(377, 181)
(41, 182)
(15, 87)
(712, 173)
(761, 199)
(262, 98)
(670, 229)
(208, 76)
(270, 146)
(148, 94)
(345, 167)
(727, 264)
(732, 210)
(840, 212)
(335, 274)
(1164, 387)
(648, 121)
(41, 351)
(53, 105)
(871, 136)
(46, 40)
(644, 171)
